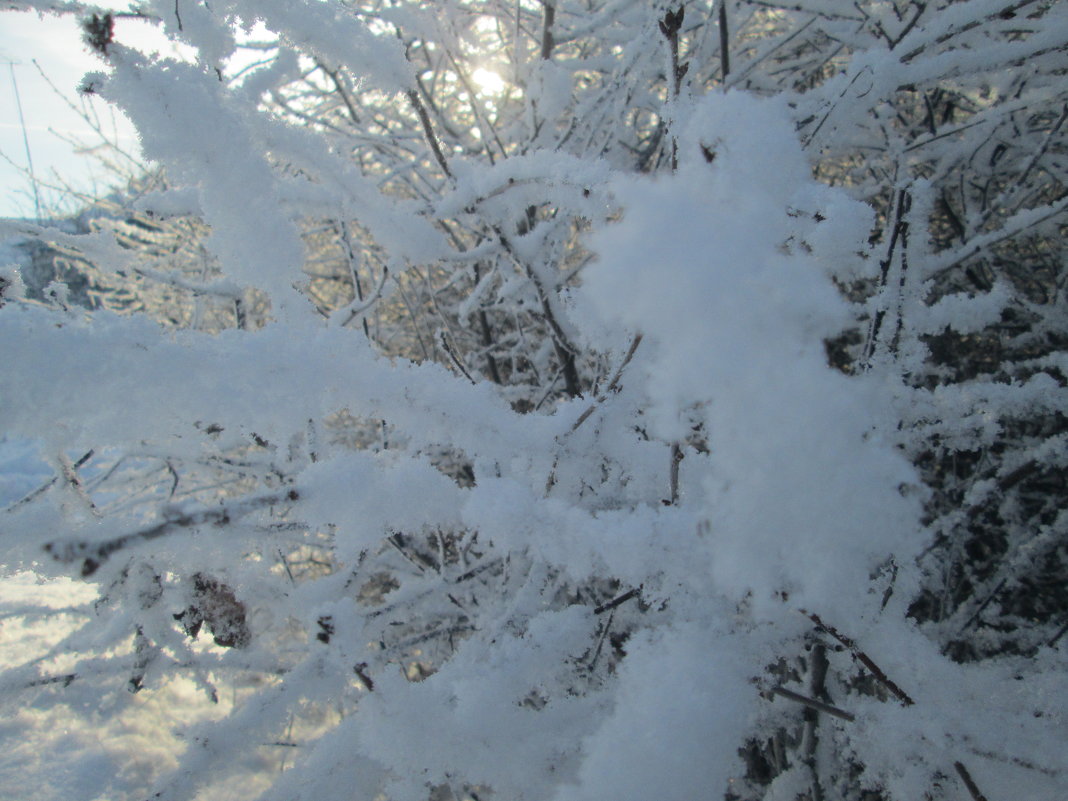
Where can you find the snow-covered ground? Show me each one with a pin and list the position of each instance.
(58, 744)
(61, 744)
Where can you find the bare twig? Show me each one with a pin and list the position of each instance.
(966, 777)
(361, 671)
(669, 27)
(956, 30)
(1056, 637)
(285, 564)
(998, 202)
(339, 87)
(817, 669)
(605, 627)
(861, 657)
(1018, 223)
(613, 385)
(453, 357)
(547, 41)
(94, 554)
(74, 481)
(898, 235)
(428, 130)
(565, 351)
(487, 339)
(618, 600)
(41, 490)
(371, 301)
(676, 457)
(66, 679)
(812, 703)
(724, 42)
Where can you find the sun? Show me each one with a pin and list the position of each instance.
(487, 81)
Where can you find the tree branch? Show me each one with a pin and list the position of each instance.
(812, 703)
(966, 777)
(862, 657)
(94, 554)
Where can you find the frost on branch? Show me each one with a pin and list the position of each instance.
(664, 421)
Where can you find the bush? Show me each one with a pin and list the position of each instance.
(639, 400)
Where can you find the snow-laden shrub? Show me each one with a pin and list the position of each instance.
(600, 441)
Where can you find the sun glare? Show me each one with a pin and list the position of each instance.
(487, 81)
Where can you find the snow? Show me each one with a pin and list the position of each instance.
(21, 470)
(595, 598)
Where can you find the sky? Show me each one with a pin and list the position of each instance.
(38, 51)
(30, 46)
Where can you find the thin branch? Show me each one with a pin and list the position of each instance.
(669, 27)
(547, 41)
(724, 42)
(453, 357)
(1056, 637)
(335, 76)
(47, 485)
(565, 351)
(371, 301)
(862, 657)
(966, 777)
(899, 234)
(613, 385)
(94, 554)
(428, 130)
(673, 473)
(618, 600)
(605, 628)
(1010, 8)
(1014, 225)
(812, 703)
(285, 564)
(1022, 178)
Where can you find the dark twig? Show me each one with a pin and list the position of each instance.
(453, 357)
(353, 313)
(1056, 637)
(547, 41)
(957, 30)
(817, 689)
(94, 554)
(669, 27)
(898, 235)
(99, 32)
(487, 337)
(618, 600)
(812, 703)
(605, 627)
(863, 658)
(361, 671)
(285, 564)
(724, 42)
(428, 130)
(966, 777)
(64, 679)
